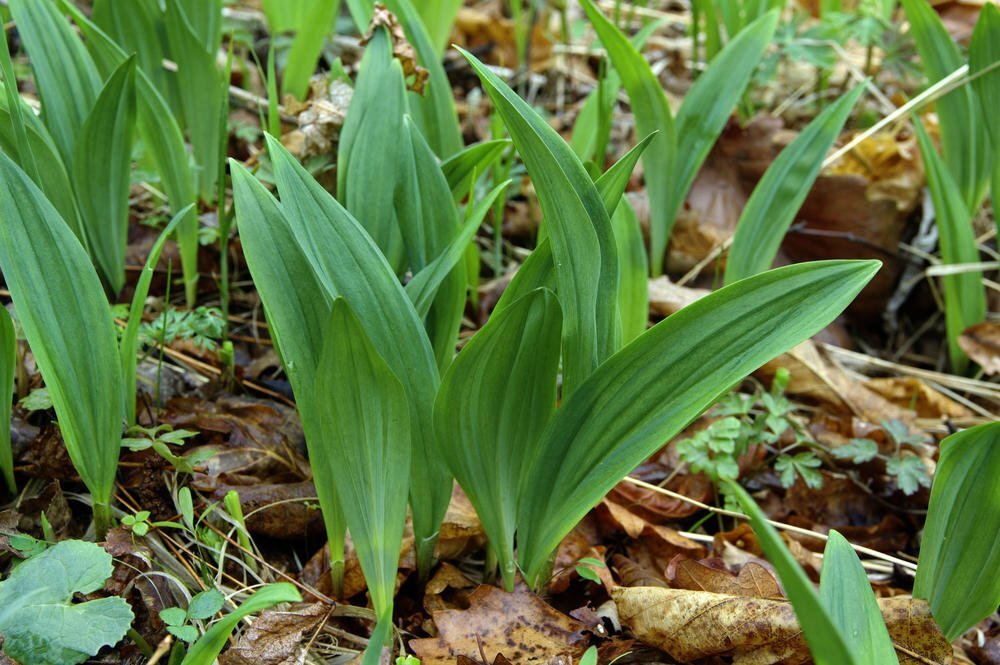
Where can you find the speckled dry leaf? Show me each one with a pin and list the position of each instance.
(693, 625)
(277, 638)
(753, 580)
(910, 392)
(982, 343)
(519, 625)
(446, 579)
(402, 50)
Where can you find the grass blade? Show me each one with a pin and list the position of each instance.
(491, 408)
(8, 361)
(59, 302)
(846, 595)
(366, 438)
(778, 196)
(823, 636)
(579, 226)
(102, 164)
(652, 114)
(656, 385)
(964, 293)
(960, 551)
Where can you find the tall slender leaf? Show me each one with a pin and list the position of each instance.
(846, 595)
(583, 243)
(633, 290)
(438, 16)
(827, 644)
(60, 302)
(491, 408)
(310, 22)
(477, 158)
(964, 152)
(68, 82)
(8, 360)
(366, 440)
(102, 164)
(960, 550)
(778, 196)
(656, 385)
(964, 294)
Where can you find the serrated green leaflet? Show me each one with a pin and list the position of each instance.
(366, 438)
(59, 302)
(491, 408)
(827, 644)
(40, 623)
(778, 196)
(960, 549)
(964, 294)
(102, 160)
(583, 244)
(656, 385)
(846, 595)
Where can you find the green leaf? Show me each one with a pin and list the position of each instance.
(537, 271)
(8, 362)
(648, 391)
(826, 642)
(172, 616)
(59, 302)
(847, 596)
(633, 287)
(311, 22)
(960, 550)
(366, 437)
(802, 464)
(428, 221)
(67, 80)
(964, 293)
(438, 16)
(984, 54)
(205, 604)
(475, 159)
(652, 114)
(184, 633)
(612, 183)
(210, 644)
(38, 620)
(858, 451)
(491, 408)
(128, 346)
(965, 153)
(778, 196)
(583, 244)
(910, 473)
(102, 164)
(37, 400)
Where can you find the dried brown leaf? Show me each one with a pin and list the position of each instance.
(277, 638)
(982, 343)
(753, 579)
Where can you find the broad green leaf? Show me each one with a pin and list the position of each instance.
(438, 17)
(823, 635)
(365, 438)
(428, 221)
(205, 604)
(778, 196)
(161, 136)
(209, 645)
(633, 289)
(60, 301)
(960, 549)
(537, 271)
(39, 621)
(67, 80)
(583, 244)
(102, 165)
(128, 346)
(964, 151)
(422, 288)
(8, 360)
(200, 83)
(53, 179)
(964, 294)
(16, 142)
(652, 114)
(369, 150)
(491, 408)
(476, 159)
(347, 262)
(648, 391)
(846, 595)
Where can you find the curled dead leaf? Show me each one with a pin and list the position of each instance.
(402, 50)
(982, 343)
(277, 638)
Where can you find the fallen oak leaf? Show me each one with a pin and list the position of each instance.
(519, 625)
(692, 625)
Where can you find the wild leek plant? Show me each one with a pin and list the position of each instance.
(681, 144)
(535, 470)
(309, 23)
(8, 360)
(60, 303)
